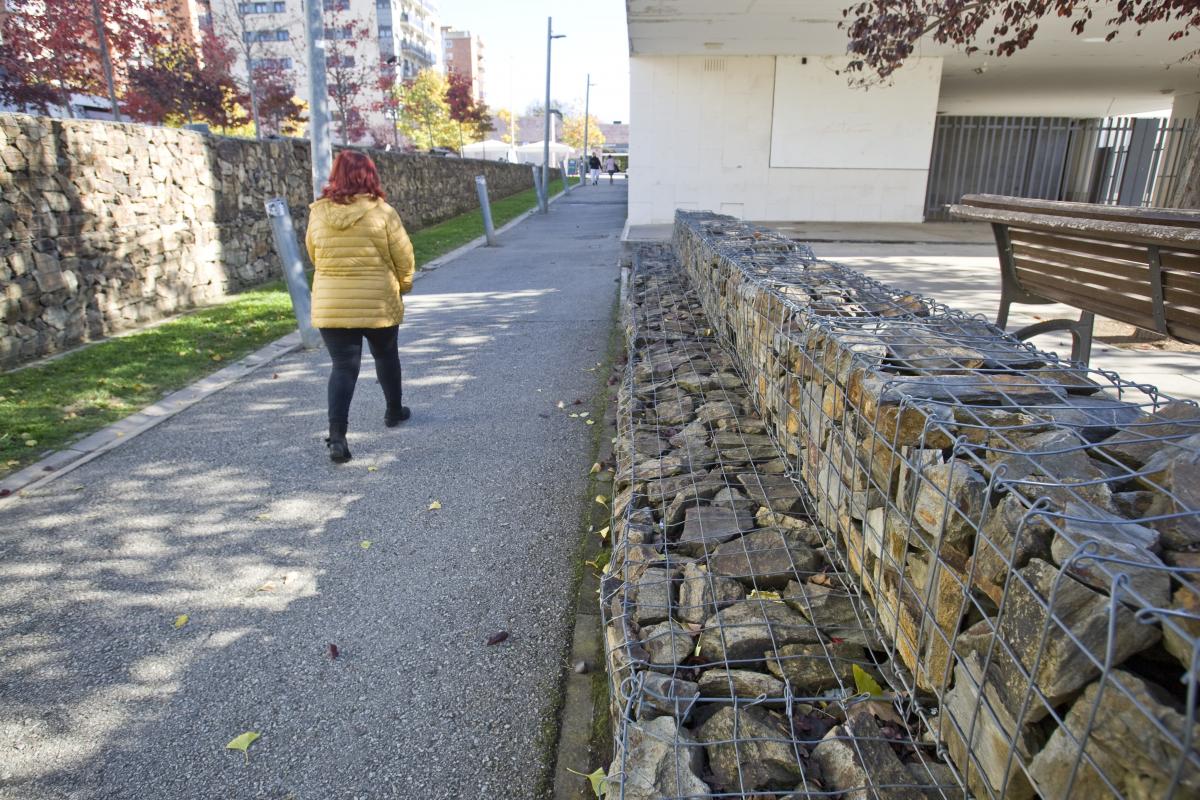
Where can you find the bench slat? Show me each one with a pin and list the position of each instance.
(1153, 216)
(1029, 268)
(1109, 304)
(1126, 270)
(1112, 251)
(1166, 235)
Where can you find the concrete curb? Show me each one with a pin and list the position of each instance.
(76, 455)
(61, 462)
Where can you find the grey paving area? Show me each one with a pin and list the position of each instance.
(232, 514)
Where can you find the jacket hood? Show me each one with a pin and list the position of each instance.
(344, 216)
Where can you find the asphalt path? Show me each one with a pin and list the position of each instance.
(232, 514)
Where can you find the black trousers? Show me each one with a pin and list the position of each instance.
(345, 348)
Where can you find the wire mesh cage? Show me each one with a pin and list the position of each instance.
(868, 546)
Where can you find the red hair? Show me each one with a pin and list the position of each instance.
(353, 174)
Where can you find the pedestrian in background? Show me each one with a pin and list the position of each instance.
(610, 166)
(594, 167)
(364, 265)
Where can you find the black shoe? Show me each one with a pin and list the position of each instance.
(339, 451)
(393, 418)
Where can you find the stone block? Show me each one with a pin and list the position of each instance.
(660, 759)
(854, 759)
(743, 633)
(950, 503)
(702, 594)
(765, 559)
(749, 748)
(1126, 745)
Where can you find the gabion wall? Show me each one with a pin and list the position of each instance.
(1012, 541)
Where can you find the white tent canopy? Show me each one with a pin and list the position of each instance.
(491, 150)
(532, 153)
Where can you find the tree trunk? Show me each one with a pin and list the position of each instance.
(1187, 190)
(106, 59)
(461, 146)
(254, 108)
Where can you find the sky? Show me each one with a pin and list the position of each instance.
(514, 51)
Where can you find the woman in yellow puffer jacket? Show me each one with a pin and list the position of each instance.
(364, 262)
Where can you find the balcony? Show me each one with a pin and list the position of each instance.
(417, 52)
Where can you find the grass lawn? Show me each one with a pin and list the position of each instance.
(45, 407)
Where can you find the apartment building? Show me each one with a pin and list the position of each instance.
(408, 33)
(462, 52)
(368, 38)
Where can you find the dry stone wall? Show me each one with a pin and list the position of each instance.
(1026, 532)
(107, 226)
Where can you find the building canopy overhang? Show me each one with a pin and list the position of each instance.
(1060, 73)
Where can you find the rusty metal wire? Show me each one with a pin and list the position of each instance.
(1015, 535)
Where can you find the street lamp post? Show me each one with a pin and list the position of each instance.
(318, 93)
(587, 96)
(550, 37)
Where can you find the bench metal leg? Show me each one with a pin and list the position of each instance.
(1081, 333)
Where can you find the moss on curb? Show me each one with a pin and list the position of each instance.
(593, 516)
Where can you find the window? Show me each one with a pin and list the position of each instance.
(337, 5)
(261, 8)
(345, 62)
(270, 63)
(279, 35)
(344, 32)
(385, 31)
(205, 21)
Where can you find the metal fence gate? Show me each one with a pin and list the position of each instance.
(1116, 161)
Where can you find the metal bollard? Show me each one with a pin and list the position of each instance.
(284, 232)
(486, 207)
(537, 188)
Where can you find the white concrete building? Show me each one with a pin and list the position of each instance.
(743, 106)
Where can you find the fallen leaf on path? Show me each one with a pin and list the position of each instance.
(266, 587)
(596, 778)
(217, 357)
(497, 638)
(595, 468)
(372, 469)
(577, 402)
(274, 376)
(263, 517)
(590, 421)
(561, 404)
(333, 651)
(601, 499)
(5, 492)
(583, 413)
(31, 442)
(243, 743)
(181, 620)
(603, 532)
(364, 544)
(435, 505)
(573, 416)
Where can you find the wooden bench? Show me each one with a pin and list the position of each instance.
(1134, 265)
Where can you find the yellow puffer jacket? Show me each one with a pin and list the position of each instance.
(364, 263)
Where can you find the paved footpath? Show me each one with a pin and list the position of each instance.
(232, 514)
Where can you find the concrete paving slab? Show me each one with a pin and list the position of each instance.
(231, 513)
